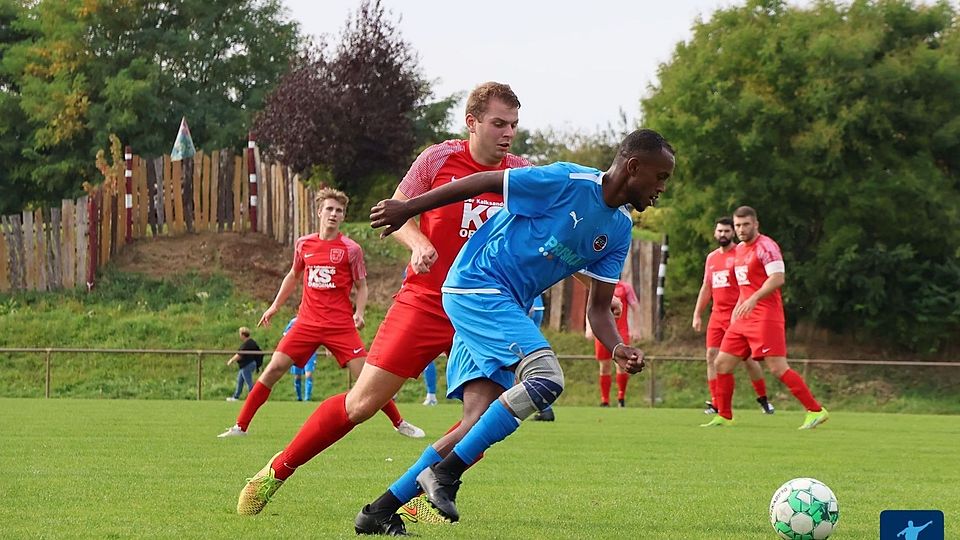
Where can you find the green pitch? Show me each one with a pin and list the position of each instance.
(155, 469)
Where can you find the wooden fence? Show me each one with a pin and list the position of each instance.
(54, 248)
(567, 300)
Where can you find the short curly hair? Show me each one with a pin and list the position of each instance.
(479, 98)
(644, 140)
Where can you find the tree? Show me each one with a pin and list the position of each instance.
(15, 186)
(840, 124)
(133, 68)
(351, 110)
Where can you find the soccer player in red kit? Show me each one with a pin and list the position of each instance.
(416, 328)
(628, 298)
(720, 286)
(331, 265)
(757, 329)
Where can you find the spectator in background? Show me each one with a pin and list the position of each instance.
(246, 362)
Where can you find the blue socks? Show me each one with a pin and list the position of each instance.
(298, 385)
(430, 378)
(309, 388)
(405, 488)
(493, 426)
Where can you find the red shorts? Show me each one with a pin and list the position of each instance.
(408, 339)
(758, 339)
(601, 352)
(715, 332)
(302, 340)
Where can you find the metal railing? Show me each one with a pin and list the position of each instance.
(651, 361)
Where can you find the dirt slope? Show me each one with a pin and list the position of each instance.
(254, 262)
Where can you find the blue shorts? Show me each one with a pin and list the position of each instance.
(493, 333)
(309, 366)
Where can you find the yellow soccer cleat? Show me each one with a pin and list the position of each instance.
(718, 421)
(814, 419)
(259, 489)
(418, 510)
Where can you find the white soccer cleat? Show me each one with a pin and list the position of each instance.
(409, 430)
(231, 398)
(234, 431)
(430, 400)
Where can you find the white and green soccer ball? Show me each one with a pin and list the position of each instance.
(804, 509)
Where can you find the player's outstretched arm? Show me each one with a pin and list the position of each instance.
(393, 214)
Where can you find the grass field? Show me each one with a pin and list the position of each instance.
(154, 469)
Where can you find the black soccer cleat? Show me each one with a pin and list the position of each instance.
(368, 522)
(710, 409)
(545, 416)
(621, 403)
(441, 495)
(765, 405)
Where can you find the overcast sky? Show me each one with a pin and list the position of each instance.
(573, 64)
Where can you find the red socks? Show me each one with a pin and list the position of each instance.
(759, 386)
(605, 389)
(712, 384)
(258, 396)
(799, 389)
(327, 425)
(724, 403)
(622, 379)
(390, 409)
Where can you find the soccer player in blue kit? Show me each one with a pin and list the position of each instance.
(302, 376)
(557, 220)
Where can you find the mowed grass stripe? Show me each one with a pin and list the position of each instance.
(155, 469)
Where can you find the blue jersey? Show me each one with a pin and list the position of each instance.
(536, 312)
(554, 223)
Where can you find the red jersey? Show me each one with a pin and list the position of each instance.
(330, 267)
(448, 227)
(718, 273)
(624, 291)
(755, 261)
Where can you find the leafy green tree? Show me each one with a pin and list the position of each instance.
(358, 110)
(133, 68)
(15, 186)
(840, 124)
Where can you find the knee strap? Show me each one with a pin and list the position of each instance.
(541, 383)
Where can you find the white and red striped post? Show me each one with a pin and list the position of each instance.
(252, 172)
(128, 198)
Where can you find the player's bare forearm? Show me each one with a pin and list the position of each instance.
(598, 313)
(703, 298)
(393, 214)
(773, 282)
(616, 305)
(287, 287)
(362, 295)
(410, 235)
(422, 252)
(604, 326)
